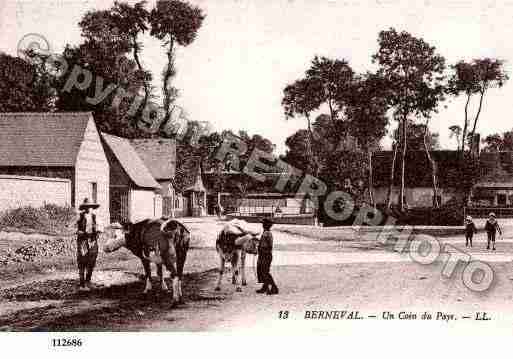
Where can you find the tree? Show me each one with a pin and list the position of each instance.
(456, 132)
(175, 23)
(475, 78)
(421, 138)
(497, 142)
(301, 98)
(23, 87)
(366, 111)
(414, 73)
(334, 78)
(110, 38)
(132, 21)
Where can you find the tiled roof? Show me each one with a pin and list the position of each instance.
(159, 155)
(130, 161)
(418, 168)
(41, 138)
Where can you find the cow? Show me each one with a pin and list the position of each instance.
(160, 241)
(232, 244)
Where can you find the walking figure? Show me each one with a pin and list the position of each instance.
(491, 227)
(265, 257)
(470, 229)
(87, 243)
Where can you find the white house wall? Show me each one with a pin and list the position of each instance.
(20, 191)
(144, 204)
(92, 167)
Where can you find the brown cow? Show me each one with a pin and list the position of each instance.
(159, 241)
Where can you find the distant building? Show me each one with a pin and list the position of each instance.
(134, 193)
(495, 185)
(238, 192)
(418, 177)
(52, 158)
(159, 156)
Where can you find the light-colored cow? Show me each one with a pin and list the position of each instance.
(232, 244)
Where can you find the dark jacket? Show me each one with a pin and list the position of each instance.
(470, 228)
(265, 245)
(492, 227)
(81, 223)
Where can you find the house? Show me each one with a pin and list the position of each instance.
(159, 156)
(495, 185)
(418, 177)
(52, 158)
(134, 193)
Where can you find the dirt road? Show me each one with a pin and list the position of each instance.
(350, 274)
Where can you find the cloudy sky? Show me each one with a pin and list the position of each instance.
(246, 52)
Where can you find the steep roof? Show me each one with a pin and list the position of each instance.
(159, 155)
(41, 138)
(418, 168)
(130, 161)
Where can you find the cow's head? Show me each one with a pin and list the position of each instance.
(116, 237)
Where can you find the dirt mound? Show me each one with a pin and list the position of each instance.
(39, 248)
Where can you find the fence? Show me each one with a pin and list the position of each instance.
(482, 212)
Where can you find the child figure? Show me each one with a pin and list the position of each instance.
(491, 227)
(265, 257)
(470, 229)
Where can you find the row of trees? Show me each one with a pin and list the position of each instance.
(112, 51)
(411, 81)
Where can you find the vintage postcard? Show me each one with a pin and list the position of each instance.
(272, 167)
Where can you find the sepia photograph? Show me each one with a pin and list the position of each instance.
(267, 167)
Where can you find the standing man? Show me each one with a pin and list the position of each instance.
(491, 227)
(265, 257)
(87, 243)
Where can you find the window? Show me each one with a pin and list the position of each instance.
(501, 199)
(94, 192)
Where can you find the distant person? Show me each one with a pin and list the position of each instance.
(491, 228)
(87, 243)
(470, 229)
(265, 257)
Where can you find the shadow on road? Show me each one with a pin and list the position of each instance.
(104, 308)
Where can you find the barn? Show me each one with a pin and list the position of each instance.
(52, 158)
(134, 193)
(159, 156)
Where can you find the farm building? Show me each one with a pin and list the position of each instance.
(134, 193)
(418, 180)
(495, 184)
(52, 158)
(159, 156)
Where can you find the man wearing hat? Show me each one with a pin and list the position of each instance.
(491, 227)
(87, 243)
(265, 257)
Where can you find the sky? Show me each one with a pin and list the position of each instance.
(247, 51)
